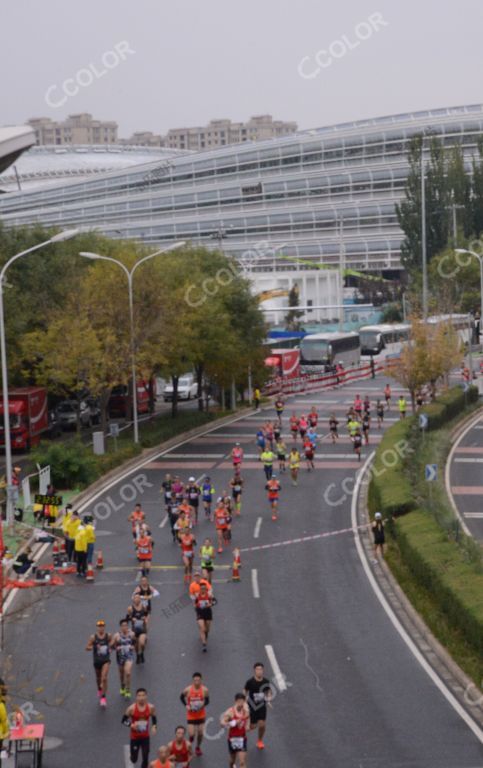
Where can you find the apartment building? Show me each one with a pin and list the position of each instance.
(75, 129)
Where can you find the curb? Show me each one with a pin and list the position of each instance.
(435, 654)
(457, 434)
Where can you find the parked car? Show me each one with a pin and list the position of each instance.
(187, 388)
(90, 411)
(66, 413)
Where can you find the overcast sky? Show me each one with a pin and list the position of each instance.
(185, 62)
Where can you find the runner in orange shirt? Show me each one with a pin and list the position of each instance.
(144, 550)
(273, 488)
(221, 523)
(136, 517)
(196, 698)
(187, 543)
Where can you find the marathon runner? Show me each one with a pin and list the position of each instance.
(138, 717)
(334, 428)
(380, 413)
(379, 536)
(195, 585)
(237, 456)
(99, 644)
(166, 486)
(207, 554)
(294, 426)
(279, 406)
(229, 518)
(204, 613)
(221, 523)
(146, 593)
(259, 695)
(294, 463)
(367, 404)
(136, 517)
(357, 441)
(267, 457)
(281, 449)
(309, 453)
(260, 439)
(366, 425)
(277, 432)
(353, 426)
(236, 484)
(313, 417)
(187, 543)
(273, 489)
(358, 406)
(123, 643)
(136, 615)
(269, 434)
(303, 426)
(193, 493)
(207, 493)
(177, 489)
(387, 396)
(144, 550)
(180, 750)
(182, 525)
(236, 720)
(163, 760)
(402, 405)
(196, 698)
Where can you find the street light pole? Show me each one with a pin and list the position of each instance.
(66, 235)
(129, 274)
(423, 236)
(480, 259)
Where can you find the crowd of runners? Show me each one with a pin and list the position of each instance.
(194, 505)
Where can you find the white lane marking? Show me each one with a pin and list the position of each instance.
(127, 756)
(277, 673)
(164, 521)
(468, 461)
(447, 473)
(258, 525)
(255, 588)
(474, 515)
(395, 621)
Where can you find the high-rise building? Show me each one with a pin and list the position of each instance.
(76, 129)
(219, 133)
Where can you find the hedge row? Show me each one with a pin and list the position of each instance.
(439, 566)
(391, 490)
(449, 405)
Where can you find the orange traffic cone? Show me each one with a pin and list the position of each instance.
(63, 547)
(100, 560)
(90, 573)
(55, 548)
(235, 575)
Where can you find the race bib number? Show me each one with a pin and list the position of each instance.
(204, 604)
(195, 706)
(138, 624)
(102, 650)
(258, 697)
(142, 726)
(237, 742)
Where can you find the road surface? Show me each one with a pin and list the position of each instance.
(348, 692)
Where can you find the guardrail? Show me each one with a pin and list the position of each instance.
(313, 381)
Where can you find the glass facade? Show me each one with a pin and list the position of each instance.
(311, 195)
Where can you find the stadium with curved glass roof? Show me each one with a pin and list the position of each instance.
(311, 195)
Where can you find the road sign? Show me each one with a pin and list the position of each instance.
(114, 429)
(423, 421)
(431, 472)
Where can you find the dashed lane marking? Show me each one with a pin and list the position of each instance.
(255, 587)
(258, 525)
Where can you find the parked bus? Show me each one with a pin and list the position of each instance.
(322, 351)
(376, 338)
(462, 324)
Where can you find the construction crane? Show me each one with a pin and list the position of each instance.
(271, 294)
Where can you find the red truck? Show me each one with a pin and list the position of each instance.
(29, 417)
(285, 363)
(119, 400)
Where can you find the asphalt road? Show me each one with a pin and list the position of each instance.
(466, 478)
(348, 692)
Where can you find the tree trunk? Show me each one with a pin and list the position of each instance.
(104, 403)
(152, 394)
(199, 369)
(174, 401)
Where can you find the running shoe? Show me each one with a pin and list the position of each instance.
(198, 752)
(204, 648)
(103, 702)
(260, 744)
(122, 691)
(127, 693)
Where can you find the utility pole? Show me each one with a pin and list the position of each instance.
(341, 272)
(424, 257)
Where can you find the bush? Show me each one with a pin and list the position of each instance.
(390, 488)
(441, 567)
(448, 405)
(72, 464)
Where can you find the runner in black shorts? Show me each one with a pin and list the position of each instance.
(259, 694)
(204, 613)
(99, 644)
(236, 720)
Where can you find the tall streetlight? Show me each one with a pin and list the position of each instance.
(60, 237)
(480, 259)
(129, 274)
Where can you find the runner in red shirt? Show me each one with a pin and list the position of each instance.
(196, 697)
(180, 750)
(294, 426)
(358, 405)
(204, 614)
(313, 417)
(303, 426)
(236, 719)
(136, 517)
(144, 550)
(138, 717)
(309, 454)
(237, 456)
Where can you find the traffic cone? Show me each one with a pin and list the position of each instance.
(63, 547)
(55, 548)
(235, 574)
(90, 573)
(100, 560)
